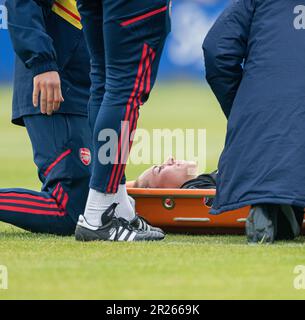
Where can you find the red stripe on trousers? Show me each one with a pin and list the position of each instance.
(65, 201)
(133, 100)
(31, 211)
(26, 196)
(147, 64)
(111, 187)
(55, 190)
(135, 114)
(49, 203)
(137, 100)
(143, 16)
(148, 85)
(126, 142)
(60, 194)
(61, 157)
(30, 203)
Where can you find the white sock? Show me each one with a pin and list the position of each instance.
(132, 202)
(124, 209)
(97, 204)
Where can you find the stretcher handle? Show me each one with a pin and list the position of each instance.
(205, 220)
(172, 192)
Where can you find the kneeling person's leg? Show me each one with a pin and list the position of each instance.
(37, 212)
(61, 146)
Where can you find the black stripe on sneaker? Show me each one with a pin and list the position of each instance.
(128, 235)
(120, 231)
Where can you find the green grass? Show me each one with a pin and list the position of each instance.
(181, 267)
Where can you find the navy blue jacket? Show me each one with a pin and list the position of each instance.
(255, 64)
(44, 41)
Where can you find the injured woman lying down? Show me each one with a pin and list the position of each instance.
(174, 174)
(177, 174)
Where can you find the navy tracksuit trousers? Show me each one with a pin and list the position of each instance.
(61, 146)
(125, 39)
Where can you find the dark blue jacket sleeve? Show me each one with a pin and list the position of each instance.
(225, 49)
(28, 33)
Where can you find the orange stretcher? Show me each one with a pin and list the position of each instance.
(186, 211)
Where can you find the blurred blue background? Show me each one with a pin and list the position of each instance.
(191, 20)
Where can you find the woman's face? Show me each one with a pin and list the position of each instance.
(171, 174)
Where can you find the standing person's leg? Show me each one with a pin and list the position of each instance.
(93, 30)
(92, 21)
(134, 36)
(61, 146)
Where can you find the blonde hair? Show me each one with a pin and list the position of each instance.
(136, 184)
(139, 184)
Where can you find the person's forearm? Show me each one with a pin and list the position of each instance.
(34, 47)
